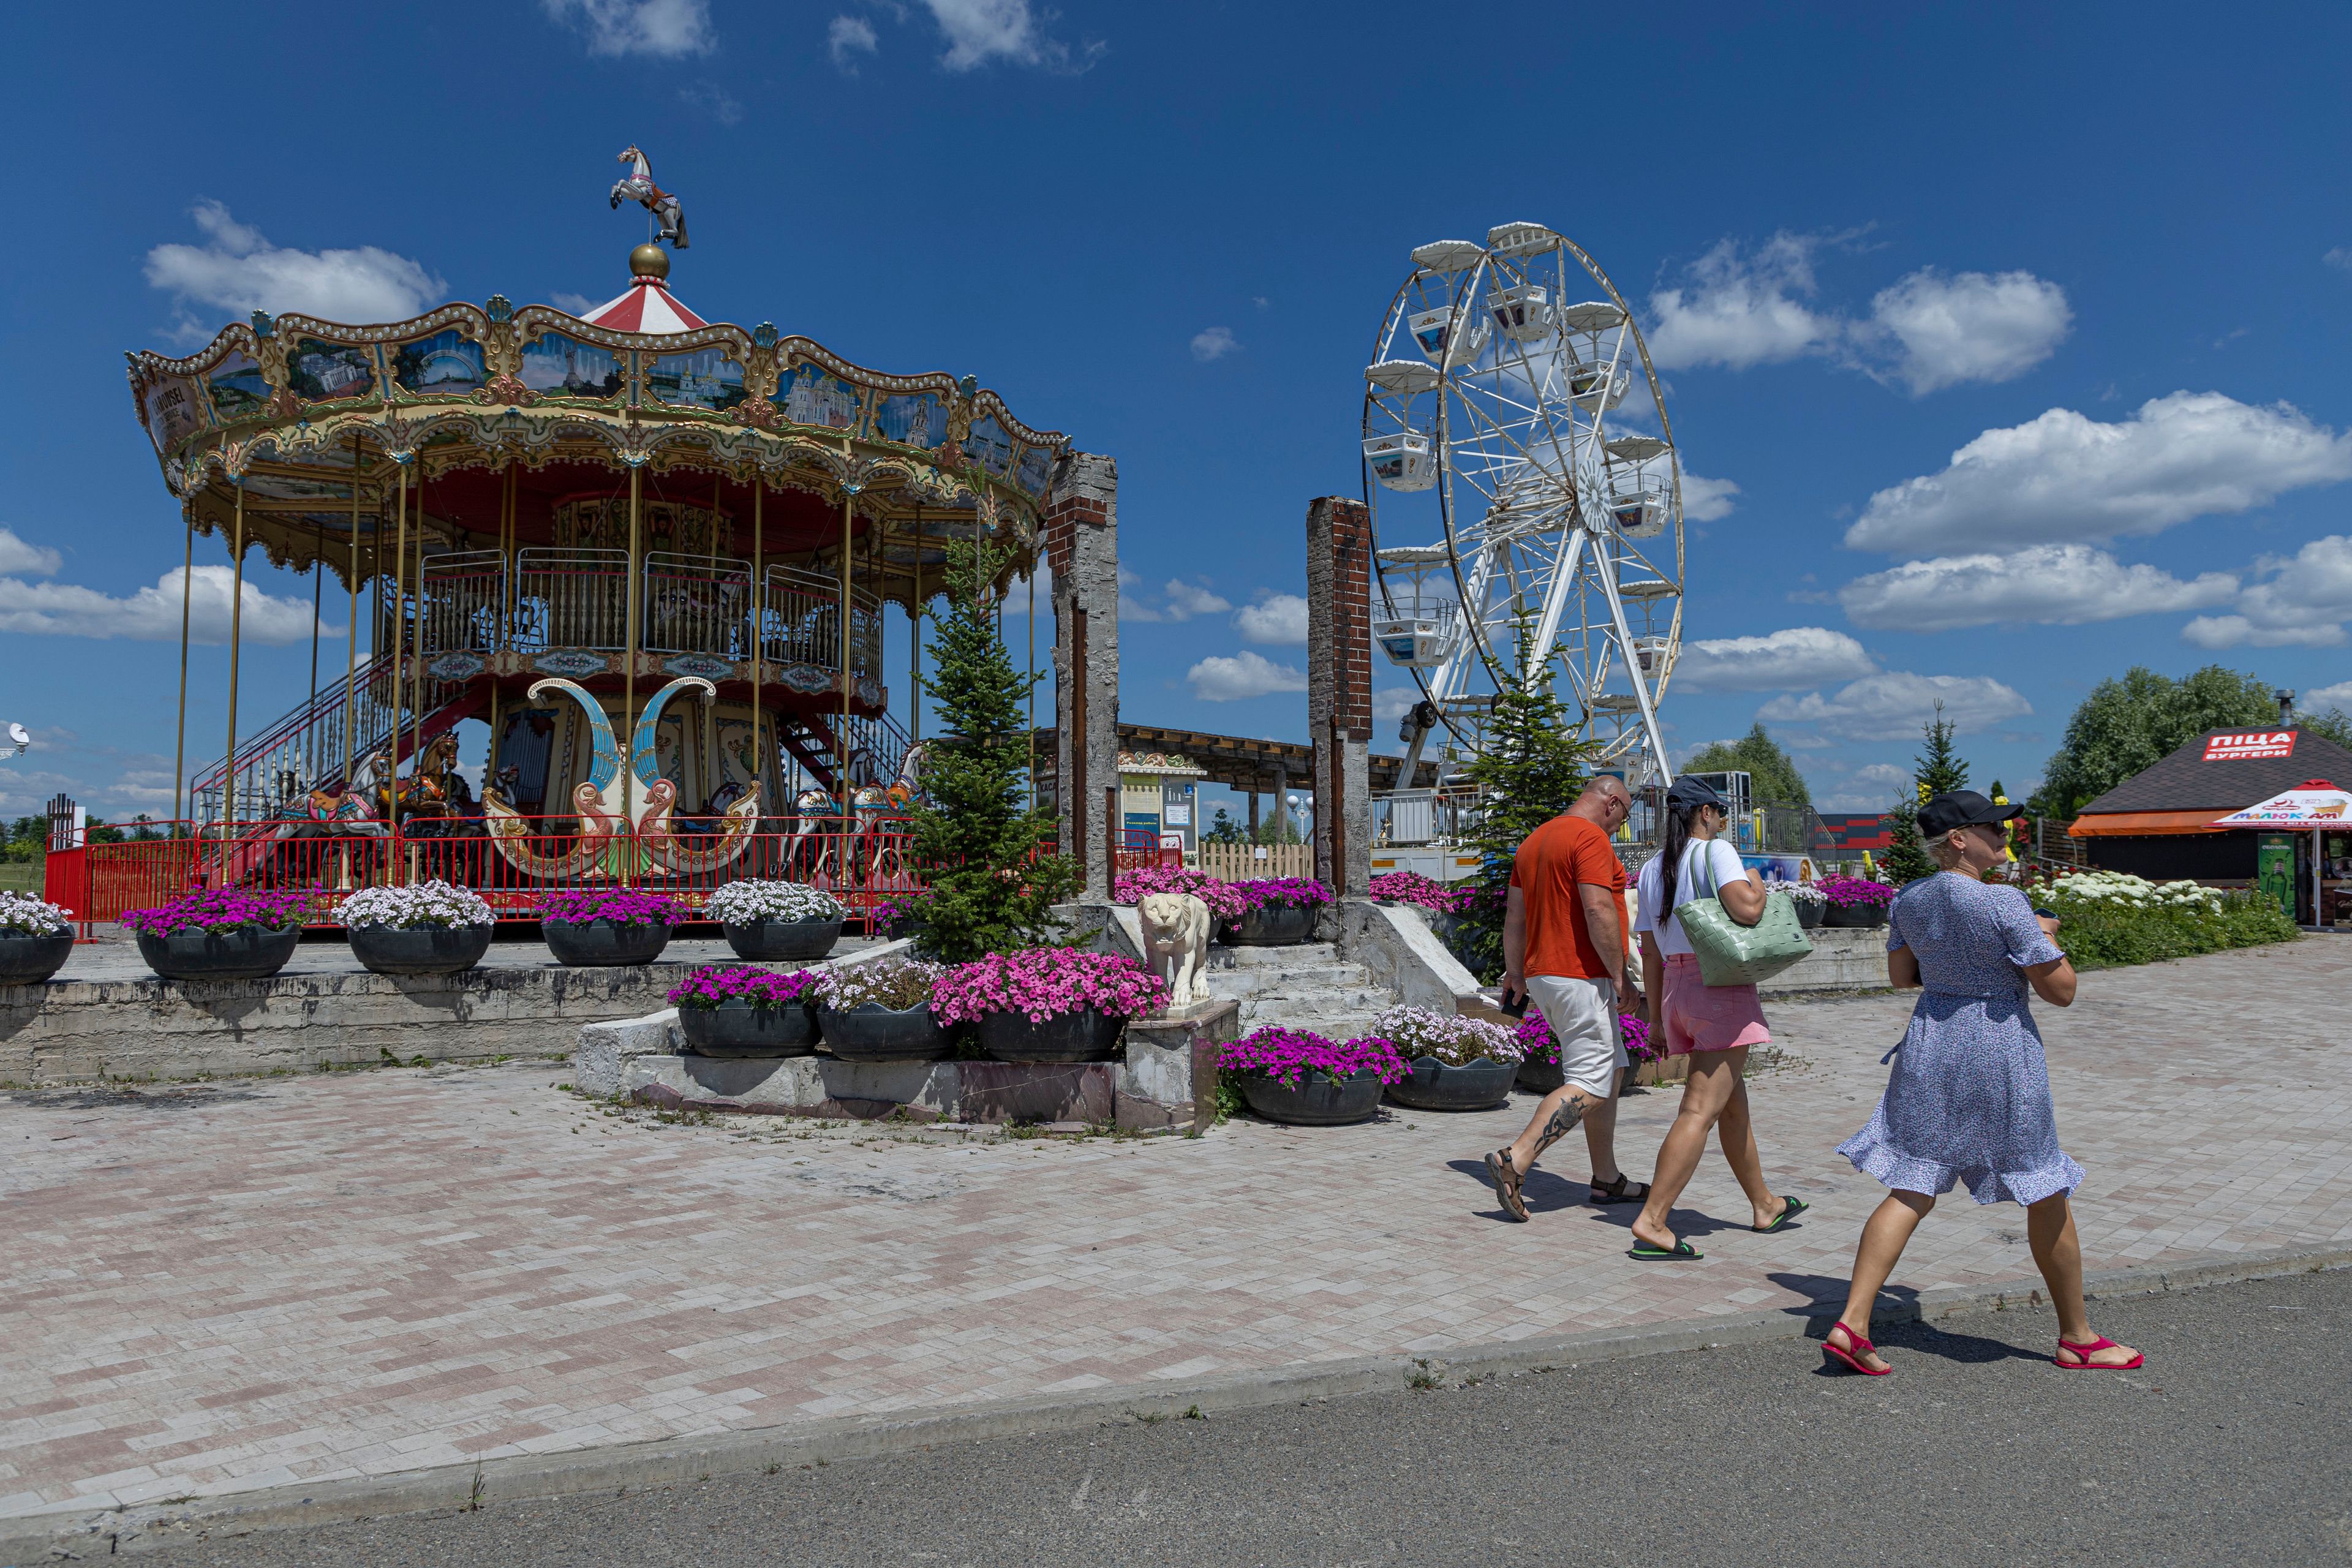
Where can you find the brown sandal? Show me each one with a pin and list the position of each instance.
(1506, 1179)
(1616, 1193)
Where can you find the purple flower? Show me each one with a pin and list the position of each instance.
(1535, 1039)
(622, 906)
(1287, 1055)
(1134, 887)
(1412, 888)
(226, 908)
(1045, 983)
(1282, 892)
(1849, 892)
(711, 986)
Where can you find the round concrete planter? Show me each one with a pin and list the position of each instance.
(1808, 913)
(782, 942)
(247, 953)
(1317, 1101)
(870, 1032)
(26, 959)
(1432, 1085)
(603, 945)
(1851, 916)
(1539, 1077)
(735, 1028)
(1084, 1037)
(1277, 925)
(422, 950)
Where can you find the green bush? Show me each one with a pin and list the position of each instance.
(2101, 934)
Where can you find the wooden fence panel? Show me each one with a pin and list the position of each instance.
(1248, 862)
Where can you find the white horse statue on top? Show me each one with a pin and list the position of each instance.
(638, 186)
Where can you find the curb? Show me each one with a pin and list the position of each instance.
(42, 1536)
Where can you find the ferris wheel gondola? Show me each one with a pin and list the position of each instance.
(1524, 491)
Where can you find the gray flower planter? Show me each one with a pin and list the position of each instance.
(26, 959)
(870, 1032)
(1809, 914)
(1433, 1085)
(1317, 1101)
(604, 944)
(1854, 915)
(1277, 925)
(1086, 1036)
(782, 942)
(735, 1028)
(423, 950)
(1539, 1077)
(247, 953)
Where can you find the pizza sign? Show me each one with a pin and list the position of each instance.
(2248, 743)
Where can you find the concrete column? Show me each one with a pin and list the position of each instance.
(1339, 689)
(1082, 547)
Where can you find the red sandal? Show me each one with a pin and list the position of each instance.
(1863, 1345)
(2087, 1351)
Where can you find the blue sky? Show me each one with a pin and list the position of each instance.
(2100, 254)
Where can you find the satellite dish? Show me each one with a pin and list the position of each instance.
(20, 737)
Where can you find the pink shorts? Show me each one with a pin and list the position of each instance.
(1703, 1017)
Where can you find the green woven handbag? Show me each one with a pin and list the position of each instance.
(1730, 953)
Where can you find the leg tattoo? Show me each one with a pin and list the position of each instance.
(1558, 1125)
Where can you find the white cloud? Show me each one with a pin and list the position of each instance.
(847, 37)
(1892, 706)
(1794, 655)
(2321, 698)
(1186, 600)
(21, 558)
(1973, 327)
(237, 269)
(1215, 344)
(2304, 601)
(2066, 476)
(1742, 311)
(578, 304)
(152, 615)
(2048, 584)
(1016, 597)
(1926, 330)
(1873, 788)
(1276, 618)
(664, 29)
(2340, 259)
(978, 31)
(1395, 702)
(714, 101)
(1247, 674)
(1707, 500)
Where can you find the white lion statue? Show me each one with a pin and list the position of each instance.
(1176, 943)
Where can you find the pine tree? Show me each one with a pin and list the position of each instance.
(994, 876)
(1531, 768)
(1938, 770)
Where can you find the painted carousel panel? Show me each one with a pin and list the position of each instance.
(991, 444)
(558, 366)
(175, 411)
(1035, 471)
(919, 420)
(330, 372)
(811, 397)
(701, 378)
(238, 389)
(446, 365)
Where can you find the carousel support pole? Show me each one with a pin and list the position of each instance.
(841, 742)
(629, 668)
(399, 588)
(416, 659)
(180, 737)
(914, 637)
(1033, 681)
(759, 638)
(710, 769)
(352, 651)
(236, 634)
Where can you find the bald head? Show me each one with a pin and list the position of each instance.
(1605, 801)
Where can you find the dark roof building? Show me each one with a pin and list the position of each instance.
(1855, 831)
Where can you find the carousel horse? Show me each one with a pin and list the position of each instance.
(638, 186)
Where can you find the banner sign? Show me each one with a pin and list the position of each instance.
(2249, 743)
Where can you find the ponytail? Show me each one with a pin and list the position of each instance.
(1670, 858)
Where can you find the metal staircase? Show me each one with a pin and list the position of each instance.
(304, 750)
(875, 748)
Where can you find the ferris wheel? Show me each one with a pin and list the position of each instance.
(1521, 471)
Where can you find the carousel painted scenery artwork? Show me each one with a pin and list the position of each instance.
(705, 378)
(443, 365)
(236, 386)
(328, 373)
(569, 368)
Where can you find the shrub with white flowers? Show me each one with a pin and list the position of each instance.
(1803, 892)
(1417, 1032)
(755, 902)
(2121, 889)
(416, 907)
(898, 983)
(21, 914)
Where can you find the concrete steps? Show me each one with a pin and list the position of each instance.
(1305, 987)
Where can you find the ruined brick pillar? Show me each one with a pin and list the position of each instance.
(1082, 548)
(1339, 688)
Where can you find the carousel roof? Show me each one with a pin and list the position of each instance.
(647, 305)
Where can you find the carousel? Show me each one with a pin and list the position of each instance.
(651, 553)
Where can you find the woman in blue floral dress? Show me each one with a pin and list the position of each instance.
(1969, 1097)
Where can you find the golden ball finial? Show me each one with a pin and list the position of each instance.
(649, 260)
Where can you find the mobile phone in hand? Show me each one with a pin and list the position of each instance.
(2047, 914)
(1516, 1007)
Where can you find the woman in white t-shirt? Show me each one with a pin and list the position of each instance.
(1714, 1025)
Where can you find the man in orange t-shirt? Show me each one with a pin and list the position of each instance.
(1564, 949)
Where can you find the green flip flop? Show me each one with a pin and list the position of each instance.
(1789, 1209)
(1681, 1252)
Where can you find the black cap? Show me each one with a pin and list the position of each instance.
(1692, 790)
(1962, 808)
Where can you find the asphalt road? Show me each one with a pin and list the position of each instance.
(2232, 1445)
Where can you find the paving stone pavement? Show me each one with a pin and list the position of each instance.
(253, 1283)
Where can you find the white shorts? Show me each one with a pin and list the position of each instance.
(1583, 1018)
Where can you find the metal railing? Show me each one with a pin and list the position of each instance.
(464, 604)
(698, 604)
(567, 598)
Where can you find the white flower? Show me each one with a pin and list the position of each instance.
(1448, 1037)
(750, 902)
(27, 915)
(415, 908)
(897, 984)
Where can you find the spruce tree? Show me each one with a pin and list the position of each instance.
(1531, 768)
(994, 875)
(1933, 773)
